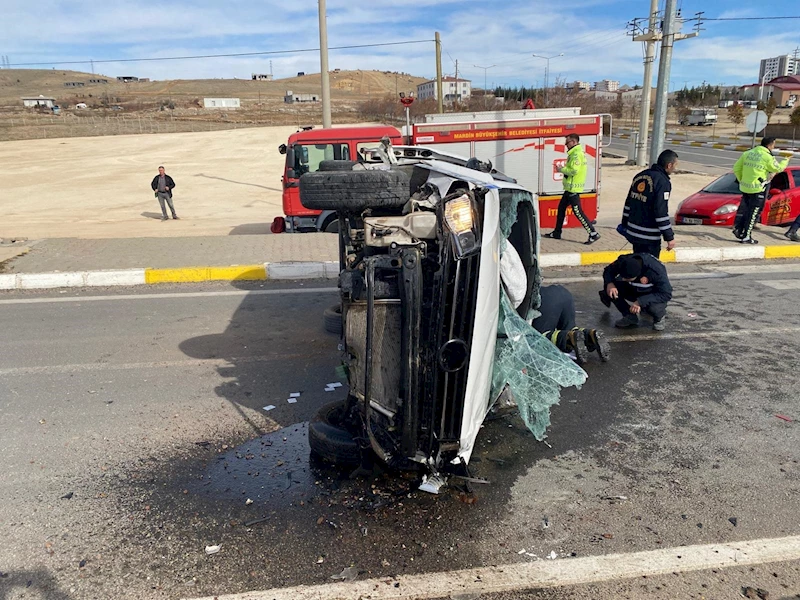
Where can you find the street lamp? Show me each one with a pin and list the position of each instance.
(485, 69)
(547, 72)
(761, 88)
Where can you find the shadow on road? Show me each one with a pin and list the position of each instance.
(273, 346)
(30, 584)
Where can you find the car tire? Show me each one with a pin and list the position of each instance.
(336, 165)
(331, 442)
(333, 319)
(354, 191)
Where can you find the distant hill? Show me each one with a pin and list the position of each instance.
(345, 85)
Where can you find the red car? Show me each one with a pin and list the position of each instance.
(716, 204)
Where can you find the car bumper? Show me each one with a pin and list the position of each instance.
(693, 219)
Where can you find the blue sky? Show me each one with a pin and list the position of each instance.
(590, 33)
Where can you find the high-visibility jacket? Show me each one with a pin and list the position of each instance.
(575, 170)
(753, 169)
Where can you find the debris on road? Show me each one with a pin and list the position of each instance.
(82, 564)
(202, 444)
(320, 560)
(248, 502)
(212, 549)
(255, 521)
(755, 593)
(294, 395)
(348, 574)
(623, 498)
(269, 407)
(432, 484)
(552, 556)
(291, 400)
(733, 521)
(545, 522)
(68, 496)
(785, 418)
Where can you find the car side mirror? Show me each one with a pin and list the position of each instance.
(282, 148)
(774, 191)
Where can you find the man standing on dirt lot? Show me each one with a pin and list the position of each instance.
(162, 185)
(574, 172)
(645, 218)
(753, 170)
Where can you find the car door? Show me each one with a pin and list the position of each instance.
(777, 208)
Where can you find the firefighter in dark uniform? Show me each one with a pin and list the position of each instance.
(645, 218)
(637, 283)
(557, 323)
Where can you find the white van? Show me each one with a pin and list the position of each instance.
(700, 117)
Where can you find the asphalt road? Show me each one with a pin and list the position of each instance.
(134, 433)
(706, 160)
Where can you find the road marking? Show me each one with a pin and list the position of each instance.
(544, 574)
(692, 335)
(171, 295)
(782, 284)
(161, 364)
(760, 268)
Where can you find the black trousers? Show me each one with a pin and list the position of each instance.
(657, 310)
(573, 200)
(558, 309)
(748, 213)
(796, 225)
(558, 315)
(652, 248)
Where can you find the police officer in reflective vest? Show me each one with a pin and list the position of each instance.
(574, 172)
(753, 170)
(645, 218)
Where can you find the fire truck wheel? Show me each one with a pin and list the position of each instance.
(336, 165)
(330, 441)
(354, 191)
(333, 319)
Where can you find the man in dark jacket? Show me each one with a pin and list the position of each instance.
(645, 218)
(637, 283)
(162, 185)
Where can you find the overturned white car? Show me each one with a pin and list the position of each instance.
(430, 340)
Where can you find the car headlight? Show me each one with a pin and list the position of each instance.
(726, 209)
(460, 220)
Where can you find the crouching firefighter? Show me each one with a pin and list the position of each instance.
(557, 323)
(637, 283)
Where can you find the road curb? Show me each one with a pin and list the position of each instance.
(330, 269)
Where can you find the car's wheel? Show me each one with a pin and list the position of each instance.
(336, 165)
(333, 319)
(354, 191)
(329, 440)
(331, 225)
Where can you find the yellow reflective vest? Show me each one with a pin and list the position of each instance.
(753, 169)
(575, 170)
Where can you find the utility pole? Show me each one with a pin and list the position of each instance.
(439, 99)
(92, 63)
(485, 69)
(323, 63)
(669, 37)
(270, 71)
(547, 72)
(650, 38)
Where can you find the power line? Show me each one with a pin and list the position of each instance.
(749, 18)
(197, 56)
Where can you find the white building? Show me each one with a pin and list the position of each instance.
(580, 85)
(606, 86)
(778, 66)
(35, 101)
(452, 88)
(221, 103)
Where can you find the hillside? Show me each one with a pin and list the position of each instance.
(345, 85)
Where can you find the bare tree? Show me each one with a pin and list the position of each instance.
(736, 115)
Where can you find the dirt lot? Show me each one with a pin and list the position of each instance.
(227, 182)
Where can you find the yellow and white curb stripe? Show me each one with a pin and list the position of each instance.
(330, 269)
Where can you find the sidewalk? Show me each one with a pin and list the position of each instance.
(72, 262)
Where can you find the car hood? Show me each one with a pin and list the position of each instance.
(706, 202)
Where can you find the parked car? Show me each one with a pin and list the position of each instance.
(420, 235)
(717, 203)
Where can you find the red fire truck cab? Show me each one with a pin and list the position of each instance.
(304, 151)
